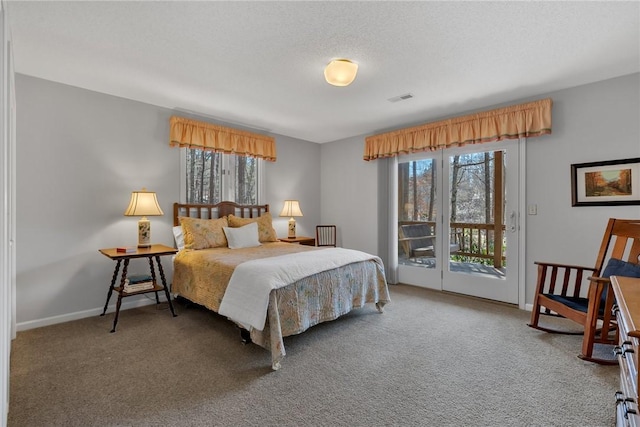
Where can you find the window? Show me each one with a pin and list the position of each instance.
(211, 177)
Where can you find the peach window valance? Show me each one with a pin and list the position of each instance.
(207, 136)
(516, 121)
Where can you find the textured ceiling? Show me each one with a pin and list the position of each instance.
(260, 64)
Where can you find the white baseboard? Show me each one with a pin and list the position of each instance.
(126, 305)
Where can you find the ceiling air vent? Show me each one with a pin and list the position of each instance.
(400, 97)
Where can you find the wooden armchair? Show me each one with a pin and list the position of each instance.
(559, 290)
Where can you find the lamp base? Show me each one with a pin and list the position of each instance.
(292, 228)
(144, 233)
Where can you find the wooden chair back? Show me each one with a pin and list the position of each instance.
(326, 235)
(416, 239)
(621, 241)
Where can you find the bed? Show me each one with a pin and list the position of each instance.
(292, 287)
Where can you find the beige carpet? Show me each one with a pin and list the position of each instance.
(432, 359)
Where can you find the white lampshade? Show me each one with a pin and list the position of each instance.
(340, 72)
(143, 203)
(291, 208)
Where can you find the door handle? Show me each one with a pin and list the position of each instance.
(512, 221)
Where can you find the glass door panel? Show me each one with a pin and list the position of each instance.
(418, 211)
(481, 219)
(457, 214)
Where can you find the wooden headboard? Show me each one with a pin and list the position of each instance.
(217, 211)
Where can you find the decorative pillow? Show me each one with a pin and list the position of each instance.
(242, 237)
(617, 267)
(203, 233)
(266, 233)
(178, 237)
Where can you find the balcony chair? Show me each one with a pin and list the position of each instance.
(559, 290)
(326, 235)
(417, 241)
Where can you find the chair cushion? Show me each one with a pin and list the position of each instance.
(576, 303)
(617, 267)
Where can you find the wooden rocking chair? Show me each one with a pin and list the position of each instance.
(558, 288)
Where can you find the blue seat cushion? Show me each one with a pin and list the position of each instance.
(615, 267)
(576, 303)
(618, 267)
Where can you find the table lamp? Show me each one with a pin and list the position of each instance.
(144, 203)
(291, 208)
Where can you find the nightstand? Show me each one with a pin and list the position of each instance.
(310, 241)
(151, 253)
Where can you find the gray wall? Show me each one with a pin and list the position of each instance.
(295, 175)
(593, 122)
(350, 194)
(80, 154)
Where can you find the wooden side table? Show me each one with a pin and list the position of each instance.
(155, 251)
(310, 241)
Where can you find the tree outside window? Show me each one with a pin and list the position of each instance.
(214, 177)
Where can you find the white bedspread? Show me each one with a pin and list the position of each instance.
(246, 298)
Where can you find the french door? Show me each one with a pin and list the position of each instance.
(458, 220)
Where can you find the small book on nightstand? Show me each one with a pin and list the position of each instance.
(140, 282)
(126, 249)
(138, 287)
(138, 278)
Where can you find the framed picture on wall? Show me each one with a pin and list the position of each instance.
(608, 183)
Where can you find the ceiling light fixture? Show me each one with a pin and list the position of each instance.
(340, 72)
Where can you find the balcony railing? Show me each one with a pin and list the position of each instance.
(474, 240)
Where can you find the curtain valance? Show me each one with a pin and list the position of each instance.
(516, 121)
(206, 136)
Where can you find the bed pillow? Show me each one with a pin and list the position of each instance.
(203, 233)
(266, 233)
(178, 237)
(242, 237)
